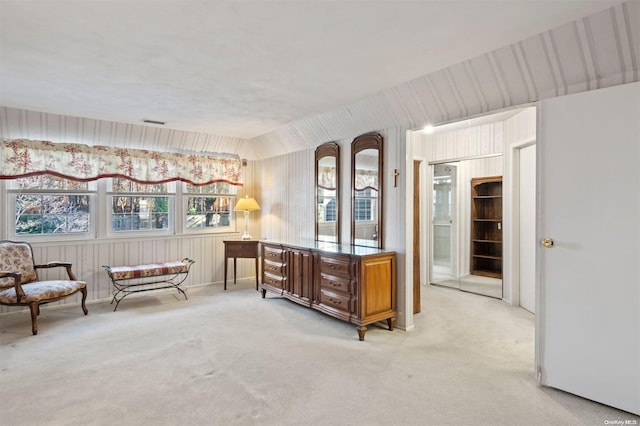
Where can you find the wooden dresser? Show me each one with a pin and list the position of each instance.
(354, 284)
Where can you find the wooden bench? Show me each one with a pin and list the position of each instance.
(156, 276)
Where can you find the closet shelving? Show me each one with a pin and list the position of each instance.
(486, 226)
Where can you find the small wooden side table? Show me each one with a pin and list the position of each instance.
(243, 249)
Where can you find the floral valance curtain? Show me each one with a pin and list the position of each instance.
(366, 179)
(327, 177)
(22, 158)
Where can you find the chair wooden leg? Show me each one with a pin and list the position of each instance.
(34, 307)
(84, 299)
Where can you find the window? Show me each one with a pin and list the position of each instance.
(330, 211)
(140, 207)
(46, 205)
(365, 205)
(210, 206)
(326, 205)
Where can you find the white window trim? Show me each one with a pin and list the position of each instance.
(171, 194)
(184, 195)
(9, 194)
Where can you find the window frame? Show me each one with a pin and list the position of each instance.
(364, 201)
(12, 192)
(185, 195)
(100, 193)
(170, 194)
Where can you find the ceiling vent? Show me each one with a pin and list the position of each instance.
(159, 123)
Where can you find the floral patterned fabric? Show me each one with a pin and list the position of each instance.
(151, 270)
(366, 179)
(41, 290)
(23, 158)
(16, 257)
(327, 177)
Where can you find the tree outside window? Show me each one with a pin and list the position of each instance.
(139, 207)
(47, 204)
(210, 206)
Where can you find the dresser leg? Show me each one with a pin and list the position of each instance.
(391, 322)
(264, 293)
(361, 331)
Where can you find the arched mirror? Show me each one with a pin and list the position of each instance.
(328, 192)
(366, 190)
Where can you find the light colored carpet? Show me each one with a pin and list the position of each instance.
(233, 358)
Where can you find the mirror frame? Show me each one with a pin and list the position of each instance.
(360, 143)
(328, 149)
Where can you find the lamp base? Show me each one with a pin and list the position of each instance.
(246, 236)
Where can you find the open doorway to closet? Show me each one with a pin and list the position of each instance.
(472, 216)
(466, 225)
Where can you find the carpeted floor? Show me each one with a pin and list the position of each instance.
(232, 358)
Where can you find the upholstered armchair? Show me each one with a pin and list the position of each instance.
(20, 285)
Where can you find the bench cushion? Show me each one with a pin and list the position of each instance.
(41, 291)
(151, 270)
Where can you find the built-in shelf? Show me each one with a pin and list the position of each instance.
(486, 226)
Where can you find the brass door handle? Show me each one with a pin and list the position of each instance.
(547, 242)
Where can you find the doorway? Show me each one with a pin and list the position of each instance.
(452, 154)
(466, 225)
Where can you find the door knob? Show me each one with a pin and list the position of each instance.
(547, 242)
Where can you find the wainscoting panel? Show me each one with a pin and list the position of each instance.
(89, 256)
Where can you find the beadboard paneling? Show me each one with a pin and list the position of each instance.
(287, 188)
(486, 139)
(18, 124)
(597, 51)
(89, 256)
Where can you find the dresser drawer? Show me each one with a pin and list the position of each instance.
(331, 283)
(275, 254)
(335, 300)
(335, 266)
(274, 280)
(273, 268)
(241, 248)
(243, 252)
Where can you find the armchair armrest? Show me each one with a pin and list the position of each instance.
(17, 277)
(57, 263)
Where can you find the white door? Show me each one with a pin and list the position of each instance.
(527, 226)
(588, 323)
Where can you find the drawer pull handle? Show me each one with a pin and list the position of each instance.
(335, 284)
(335, 302)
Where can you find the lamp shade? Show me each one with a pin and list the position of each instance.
(246, 204)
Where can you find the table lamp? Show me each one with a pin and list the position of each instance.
(246, 205)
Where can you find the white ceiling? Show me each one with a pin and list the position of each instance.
(243, 68)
